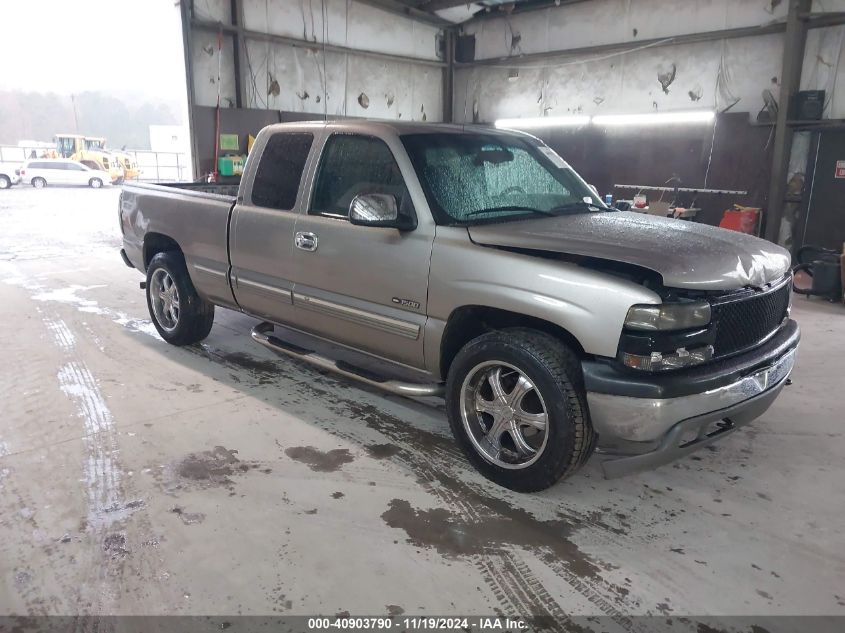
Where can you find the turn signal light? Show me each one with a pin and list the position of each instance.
(664, 361)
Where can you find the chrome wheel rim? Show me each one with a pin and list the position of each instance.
(39, 183)
(504, 415)
(164, 297)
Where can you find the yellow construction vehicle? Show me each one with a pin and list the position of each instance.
(75, 147)
(127, 163)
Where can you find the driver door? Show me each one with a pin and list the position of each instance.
(361, 286)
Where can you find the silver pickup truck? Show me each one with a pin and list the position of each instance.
(475, 264)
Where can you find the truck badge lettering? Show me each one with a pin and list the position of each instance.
(407, 303)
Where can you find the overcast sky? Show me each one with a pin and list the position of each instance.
(69, 46)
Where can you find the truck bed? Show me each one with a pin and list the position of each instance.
(217, 189)
(194, 216)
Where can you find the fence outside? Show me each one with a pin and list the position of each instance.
(154, 166)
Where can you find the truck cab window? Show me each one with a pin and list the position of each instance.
(352, 165)
(280, 170)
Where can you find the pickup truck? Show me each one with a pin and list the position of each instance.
(476, 264)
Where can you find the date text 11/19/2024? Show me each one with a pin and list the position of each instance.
(410, 623)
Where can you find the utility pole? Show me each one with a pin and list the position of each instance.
(75, 117)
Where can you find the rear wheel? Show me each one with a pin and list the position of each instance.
(5, 182)
(39, 183)
(517, 407)
(95, 183)
(179, 314)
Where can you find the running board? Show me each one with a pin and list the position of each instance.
(263, 333)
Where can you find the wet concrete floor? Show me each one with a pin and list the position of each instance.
(140, 478)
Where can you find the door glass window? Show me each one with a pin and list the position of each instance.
(353, 165)
(66, 147)
(280, 170)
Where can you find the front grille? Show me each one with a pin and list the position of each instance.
(746, 321)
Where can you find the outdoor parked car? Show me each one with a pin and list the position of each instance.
(42, 172)
(9, 175)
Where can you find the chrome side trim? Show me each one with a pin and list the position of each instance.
(210, 271)
(362, 317)
(263, 334)
(644, 419)
(277, 293)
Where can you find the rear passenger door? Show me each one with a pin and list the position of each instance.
(261, 241)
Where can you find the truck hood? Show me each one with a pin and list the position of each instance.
(685, 254)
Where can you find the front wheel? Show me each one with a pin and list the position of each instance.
(5, 181)
(179, 314)
(39, 183)
(95, 183)
(517, 407)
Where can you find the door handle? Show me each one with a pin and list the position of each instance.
(306, 241)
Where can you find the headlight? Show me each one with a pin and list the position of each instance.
(668, 316)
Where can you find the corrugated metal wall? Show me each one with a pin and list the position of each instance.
(301, 77)
(722, 74)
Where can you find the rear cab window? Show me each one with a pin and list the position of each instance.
(280, 170)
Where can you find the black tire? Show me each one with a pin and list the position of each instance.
(555, 371)
(5, 182)
(95, 183)
(196, 316)
(39, 183)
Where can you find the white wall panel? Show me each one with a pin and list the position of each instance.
(823, 63)
(350, 24)
(298, 19)
(372, 29)
(213, 10)
(708, 74)
(615, 21)
(393, 90)
(204, 60)
(306, 82)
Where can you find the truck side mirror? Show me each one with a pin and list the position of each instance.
(380, 210)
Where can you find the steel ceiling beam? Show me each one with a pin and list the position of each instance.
(408, 10)
(246, 34)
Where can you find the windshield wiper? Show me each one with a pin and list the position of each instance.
(575, 207)
(511, 208)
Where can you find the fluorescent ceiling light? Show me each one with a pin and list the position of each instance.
(543, 121)
(697, 116)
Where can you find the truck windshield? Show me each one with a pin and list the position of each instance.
(477, 178)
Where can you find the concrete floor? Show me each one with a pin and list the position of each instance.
(139, 478)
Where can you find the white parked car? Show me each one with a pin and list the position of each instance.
(9, 175)
(41, 172)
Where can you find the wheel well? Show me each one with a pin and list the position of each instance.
(155, 243)
(468, 322)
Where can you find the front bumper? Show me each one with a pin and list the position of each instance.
(640, 433)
